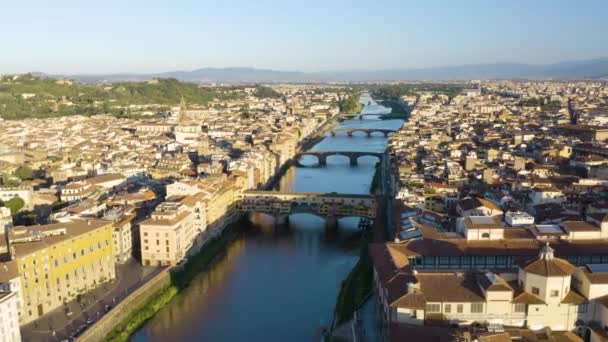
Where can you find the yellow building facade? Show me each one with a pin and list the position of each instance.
(57, 262)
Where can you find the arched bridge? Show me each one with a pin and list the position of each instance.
(368, 131)
(353, 156)
(361, 116)
(329, 205)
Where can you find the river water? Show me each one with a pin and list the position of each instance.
(279, 285)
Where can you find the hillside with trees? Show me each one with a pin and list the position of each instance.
(265, 92)
(395, 91)
(29, 96)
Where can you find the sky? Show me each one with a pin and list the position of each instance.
(113, 36)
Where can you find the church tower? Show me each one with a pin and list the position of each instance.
(182, 110)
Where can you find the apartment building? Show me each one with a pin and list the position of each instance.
(9, 317)
(220, 204)
(54, 263)
(75, 191)
(122, 237)
(6, 220)
(214, 197)
(168, 234)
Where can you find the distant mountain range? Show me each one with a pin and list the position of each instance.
(571, 70)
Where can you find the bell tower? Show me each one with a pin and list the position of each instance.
(182, 110)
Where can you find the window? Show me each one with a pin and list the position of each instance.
(459, 308)
(455, 261)
(520, 308)
(465, 262)
(535, 291)
(476, 307)
(485, 235)
(554, 293)
(433, 308)
(447, 308)
(501, 260)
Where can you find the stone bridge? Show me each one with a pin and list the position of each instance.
(368, 131)
(331, 206)
(361, 116)
(353, 156)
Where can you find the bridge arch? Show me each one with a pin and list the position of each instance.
(378, 158)
(321, 158)
(353, 156)
(367, 131)
(338, 156)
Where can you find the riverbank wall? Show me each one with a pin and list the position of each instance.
(121, 312)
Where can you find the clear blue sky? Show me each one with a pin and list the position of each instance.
(147, 36)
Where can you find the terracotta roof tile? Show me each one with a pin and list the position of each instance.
(554, 267)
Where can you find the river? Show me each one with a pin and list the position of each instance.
(279, 285)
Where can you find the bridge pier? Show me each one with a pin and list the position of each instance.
(281, 220)
(353, 160)
(349, 133)
(333, 133)
(331, 223)
(322, 159)
(369, 134)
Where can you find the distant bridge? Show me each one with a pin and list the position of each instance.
(353, 156)
(369, 131)
(329, 205)
(352, 116)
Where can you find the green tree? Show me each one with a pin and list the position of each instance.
(351, 105)
(266, 92)
(15, 204)
(9, 181)
(25, 218)
(24, 172)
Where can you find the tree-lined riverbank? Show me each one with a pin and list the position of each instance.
(180, 279)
